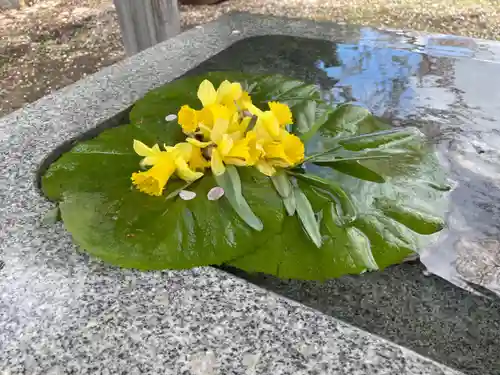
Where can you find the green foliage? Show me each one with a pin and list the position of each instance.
(361, 201)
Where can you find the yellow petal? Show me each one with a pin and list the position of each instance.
(282, 112)
(142, 150)
(262, 134)
(253, 109)
(197, 161)
(265, 168)
(286, 152)
(245, 101)
(294, 148)
(238, 126)
(276, 152)
(217, 165)
(239, 151)
(184, 172)
(270, 123)
(206, 118)
(207, 93)
(228, 93)
(220, 111)
(235, 161)
(198, 143)
(183, 150)
(254, 149)
(220, 128)
(188, 119)
(148, 161)
(153, 181)
(225, 145)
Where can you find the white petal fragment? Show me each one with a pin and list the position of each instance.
(187, 195)
(171, 117)
(215, 193)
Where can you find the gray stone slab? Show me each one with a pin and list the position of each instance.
(61, 312)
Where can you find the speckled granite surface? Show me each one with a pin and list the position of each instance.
(61, 313)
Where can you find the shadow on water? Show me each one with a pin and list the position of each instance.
(434, 84)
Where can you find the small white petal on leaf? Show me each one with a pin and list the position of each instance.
(215, 193)
(236, 32)
(187, 195)
(171, 117)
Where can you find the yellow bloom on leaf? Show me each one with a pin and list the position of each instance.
(153, 181)
(150, 154)
(188, 119)
(273, 120)
(227, 94)
(228, 129)
(282, 113)
(183, 159)
(284, 152)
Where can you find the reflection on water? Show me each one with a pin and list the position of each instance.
(457, 103)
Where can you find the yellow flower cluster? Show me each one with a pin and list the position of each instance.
(228, 129)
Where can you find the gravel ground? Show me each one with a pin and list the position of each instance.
(55, 42)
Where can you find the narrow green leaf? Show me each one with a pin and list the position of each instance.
(307, 217)
(290, 204)
(51, 217)
(414, 218)
(382, 138)
(231, 183)
(347, 210)
(346, 119)
(323, 111)
(305, 115)
(235, 180)
(355, 169)
(360, 245)
(342, 155)
(282, 184)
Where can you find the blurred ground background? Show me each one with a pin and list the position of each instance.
(55, 42)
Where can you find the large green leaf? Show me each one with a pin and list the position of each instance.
(372, 212)
(114, 221)
(385, 203)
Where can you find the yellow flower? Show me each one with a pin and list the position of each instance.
(286, 152)
(282, 113)
(273, 120)
(229, 151)
(270, 123)
(182, 153)
(227, 93)
(150, 154)
(183, 159)
(213, 114)
(229, 148)
(197, 162)
(153, 181)
(188, 119)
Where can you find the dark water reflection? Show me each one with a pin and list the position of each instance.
(456, 101)
(449, 87)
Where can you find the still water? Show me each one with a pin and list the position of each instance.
(449, 87)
